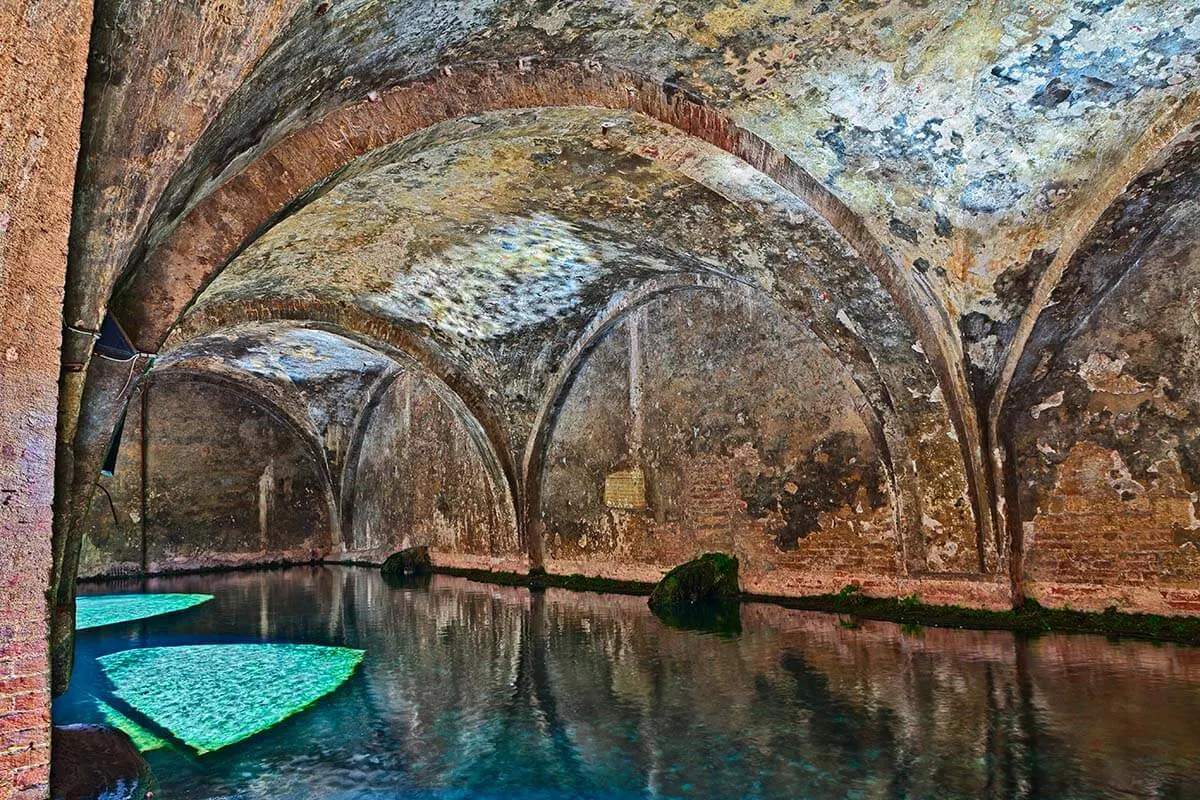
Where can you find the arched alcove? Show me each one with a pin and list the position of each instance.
(1102, 416)
(208, 474)
(706, 420)
(417, 477)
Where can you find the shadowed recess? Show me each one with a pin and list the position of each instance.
(212, 696)
(112, 609)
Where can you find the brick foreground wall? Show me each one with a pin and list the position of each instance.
(43, 55)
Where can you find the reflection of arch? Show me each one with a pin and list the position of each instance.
(277, 412)
(405, 347)
(218, 227)
(881, 423)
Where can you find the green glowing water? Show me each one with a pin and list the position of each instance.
(211, 696)
(480, 692)
(92, 611)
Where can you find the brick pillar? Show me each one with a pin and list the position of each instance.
(43, 57)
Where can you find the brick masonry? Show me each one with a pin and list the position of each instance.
(41, 86)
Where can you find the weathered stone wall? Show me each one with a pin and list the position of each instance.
(420, 478)
(1107, 428)
(228, 483)
(43, 52)
(707, 422)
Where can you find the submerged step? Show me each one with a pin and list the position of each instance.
(212, 696)
(94, 611)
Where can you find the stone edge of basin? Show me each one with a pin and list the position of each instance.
(1031, 619)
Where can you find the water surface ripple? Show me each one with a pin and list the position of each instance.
(470, 690)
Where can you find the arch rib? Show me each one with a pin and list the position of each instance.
(218, 227)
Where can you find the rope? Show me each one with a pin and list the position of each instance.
(85, 331)
(133, 367)
(136, 355)
(111, 506)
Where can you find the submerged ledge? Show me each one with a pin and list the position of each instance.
(1031, 619)
(546, 580)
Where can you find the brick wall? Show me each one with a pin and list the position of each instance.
(41, 86)
(1104, 539)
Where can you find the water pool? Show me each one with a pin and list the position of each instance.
(469, 690)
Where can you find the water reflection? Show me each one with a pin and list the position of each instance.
(470, 690)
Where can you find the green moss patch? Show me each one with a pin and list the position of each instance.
(93, 611)
(544, 580)
(211, 696)
(1030, 619)
(713, 577)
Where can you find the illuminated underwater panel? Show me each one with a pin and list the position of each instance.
(211, 696)
(143, 740)
(92, 611)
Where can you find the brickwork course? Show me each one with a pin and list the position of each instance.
(41, 88)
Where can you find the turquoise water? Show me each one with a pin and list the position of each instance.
(94, 611)
(475, 691)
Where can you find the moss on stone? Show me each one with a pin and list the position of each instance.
(544, 580)
(710, 578)
(410, 561)
(1030, 619)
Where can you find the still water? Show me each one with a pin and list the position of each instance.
(469, 690)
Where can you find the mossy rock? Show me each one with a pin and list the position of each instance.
(710, 578)
(410, 561)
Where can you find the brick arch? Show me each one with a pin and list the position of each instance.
(1173, 129)
(277, 411)
(246, 386)
(216, 228)
(1105, 247)
(362, 420)
(880, 419)
(404, 345)
(213, 231)
(180, 260)
(1166, 133)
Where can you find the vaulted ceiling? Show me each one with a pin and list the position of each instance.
(481, 187)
